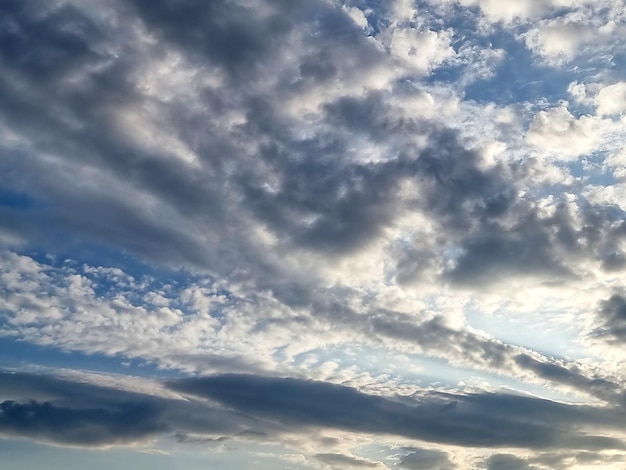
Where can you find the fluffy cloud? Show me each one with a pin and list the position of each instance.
(560, 133)
(586, 29)
(107, 311)
(508, 11)
(612, 99)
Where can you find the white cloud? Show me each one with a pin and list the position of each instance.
(616, 163)
(590, 30)
(559, 133)
(357, 16)
(421, 51)
(403, 10)
(613, 195)
(507, 11)
(611, 99)
(559, 42)
(578, 91)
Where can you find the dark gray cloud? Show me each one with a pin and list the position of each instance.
(66, 412)
(225, 33)
(484, 420)
(526, 249)
(507, 462)
(74, 122)
(434, 334)
(77, 73)
(77, 123)
(83, 427)
(612, 318)
(324, 206)
(600, 387)
(62, 411)
(64, 30)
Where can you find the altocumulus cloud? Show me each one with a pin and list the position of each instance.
(401, 221)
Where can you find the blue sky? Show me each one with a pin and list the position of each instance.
(319, 234)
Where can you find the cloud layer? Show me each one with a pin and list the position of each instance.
(62, 410)
(397, 220)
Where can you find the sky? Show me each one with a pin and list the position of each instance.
(313, 234)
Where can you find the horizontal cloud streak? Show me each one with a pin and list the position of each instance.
(82, 414)
(482, 420)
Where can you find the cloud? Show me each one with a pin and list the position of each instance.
(612, 318)
(64, 411)
(611, 99)
(482, 420)
(588, 31)
(421, 50)
(107, 311)
(559, 42)
(572, 376)
(227, 34)
(86, 427)
(507, 12)
(507, 462)
(304, 189)
(68, 413)
(558, 132)
(296, 153)
(101, 411)
(345, 461)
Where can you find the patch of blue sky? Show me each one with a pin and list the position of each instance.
(560, 190)
(363, 359)
(520, 77)
(543, 331)
(422, 370)
(458, 377)
(591, 170)
(17, 200)
(391, 454)
(98, 255)
(22, 355)
(378, 452)
(413, 369)
(618, 62)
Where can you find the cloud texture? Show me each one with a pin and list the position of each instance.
(393, 220)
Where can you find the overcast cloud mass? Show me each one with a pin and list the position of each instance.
(313, 234)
